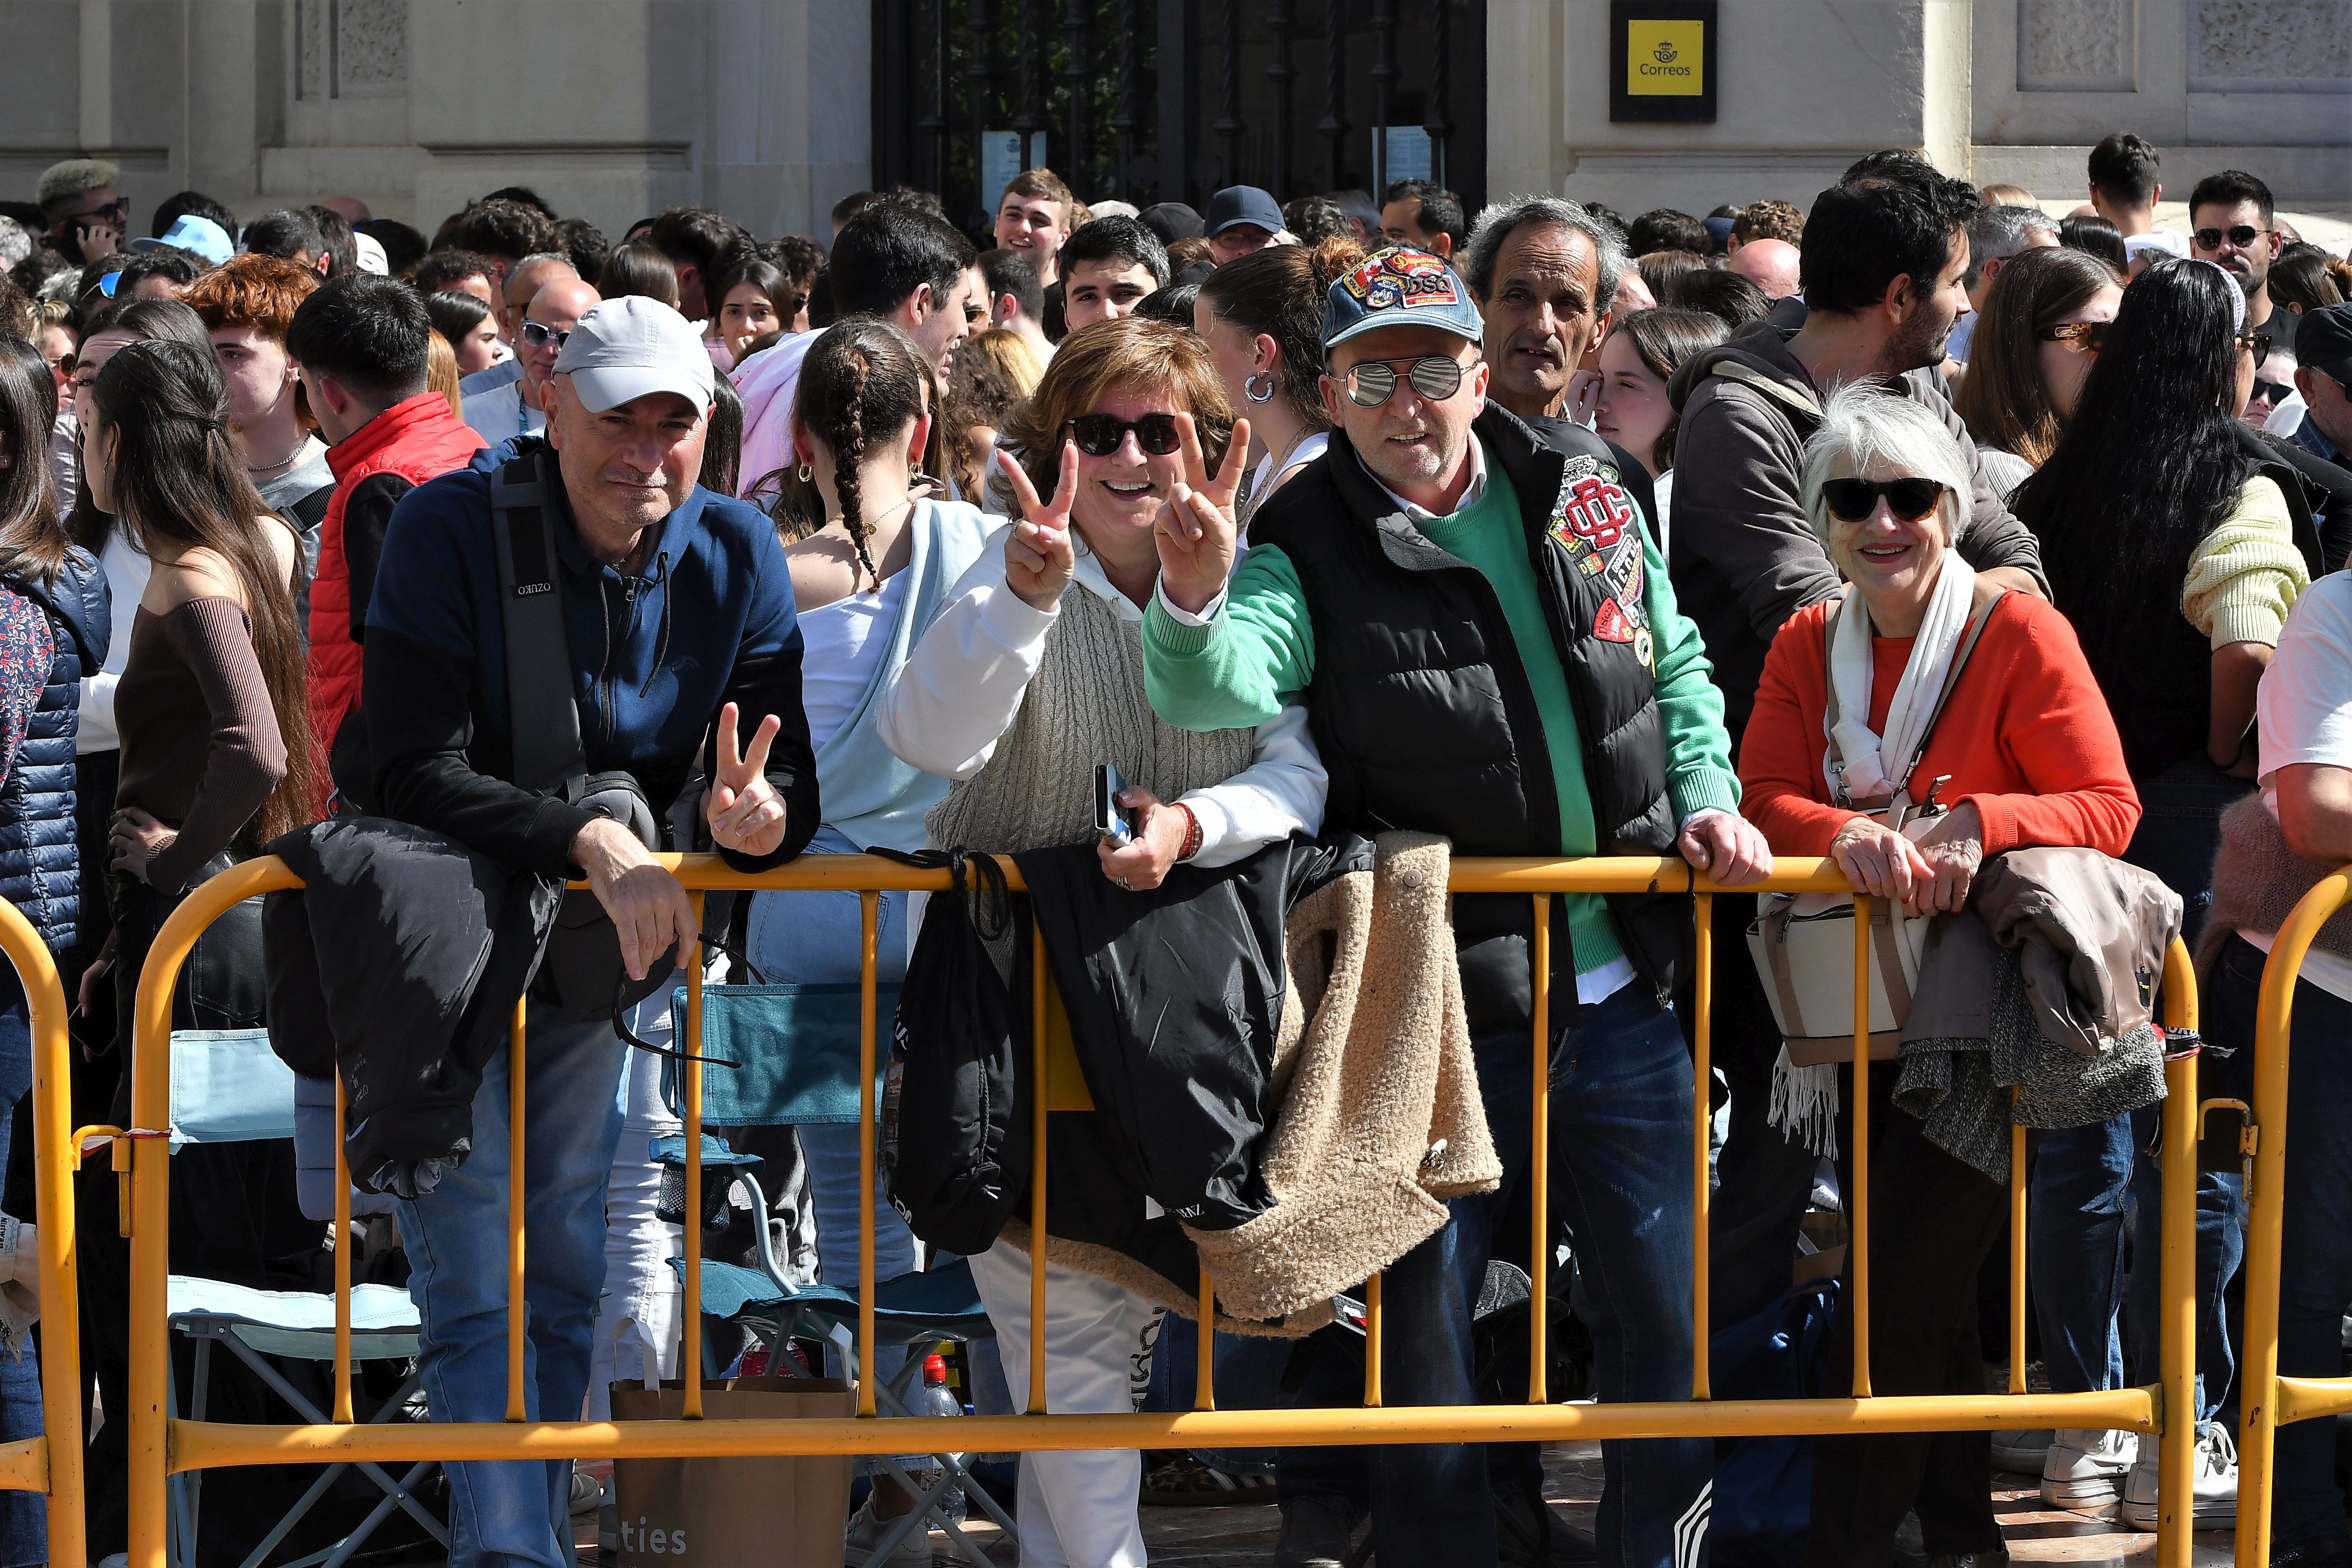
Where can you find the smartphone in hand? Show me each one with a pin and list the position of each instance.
(1112, 820)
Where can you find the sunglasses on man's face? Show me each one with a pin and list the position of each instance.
(537, 335)
(1908, 499)
(1099, 435)
(2242, 236)
(2083, 337)
(1374, 382)
(2273, 392)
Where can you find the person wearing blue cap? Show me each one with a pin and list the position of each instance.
(1481, 630)
(1242, 218)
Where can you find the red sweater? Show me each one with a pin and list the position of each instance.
(2026, 736)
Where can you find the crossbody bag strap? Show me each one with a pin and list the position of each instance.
(541, 715)
(1987, 595)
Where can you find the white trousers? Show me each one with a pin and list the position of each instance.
(1077, 1509)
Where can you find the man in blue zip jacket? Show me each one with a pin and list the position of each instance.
(677, 610)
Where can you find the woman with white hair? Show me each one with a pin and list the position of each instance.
(2026, 755)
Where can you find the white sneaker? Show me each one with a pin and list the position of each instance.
(2023, 1453)
(2213, 1484)
(866, 1533)
(2086, 1468)
(587, 1492)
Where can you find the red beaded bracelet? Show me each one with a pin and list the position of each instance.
(1192, 834)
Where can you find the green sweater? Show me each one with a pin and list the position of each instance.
(1258, 652)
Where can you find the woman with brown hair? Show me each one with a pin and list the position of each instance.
(1262, 317)
(1638, 358)
(2044, 319)
(1031, 679)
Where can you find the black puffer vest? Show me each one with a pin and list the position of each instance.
(1423, 712)
(40, 865)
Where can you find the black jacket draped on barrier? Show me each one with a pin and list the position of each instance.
(400, 959)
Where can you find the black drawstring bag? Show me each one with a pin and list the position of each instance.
(963, 1143)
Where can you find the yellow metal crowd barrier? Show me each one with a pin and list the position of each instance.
(163, 1444)
(52, 1462)
(2267, 1401)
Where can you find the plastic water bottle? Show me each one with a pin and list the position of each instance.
(937, 1399)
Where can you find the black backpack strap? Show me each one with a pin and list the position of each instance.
(542, 714)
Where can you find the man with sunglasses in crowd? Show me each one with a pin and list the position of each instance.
(1489, 649)
(85, 214)
(2233, 224)
(520, 407)
(2317, 449)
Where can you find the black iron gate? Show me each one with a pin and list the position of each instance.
(1151, 100)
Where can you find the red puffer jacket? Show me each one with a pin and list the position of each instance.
(391, 454)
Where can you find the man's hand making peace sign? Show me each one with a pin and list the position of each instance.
(1197, 530)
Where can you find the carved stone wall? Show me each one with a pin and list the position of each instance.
(2248, 43)
(351, 48)
(2077, 45)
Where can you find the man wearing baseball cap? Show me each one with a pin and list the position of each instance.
(683, 662)
(1242, 218)
(1484, 634)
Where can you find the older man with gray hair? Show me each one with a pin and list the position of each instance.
(1995, 234)
(1544, 273)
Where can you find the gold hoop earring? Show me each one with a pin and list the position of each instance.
(806, 473)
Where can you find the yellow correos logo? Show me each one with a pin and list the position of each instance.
(1663, 60)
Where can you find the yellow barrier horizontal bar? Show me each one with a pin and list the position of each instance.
(25, 1465)
(2309, 1398)
(206, 1444)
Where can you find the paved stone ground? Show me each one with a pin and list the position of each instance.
(1243, 1537)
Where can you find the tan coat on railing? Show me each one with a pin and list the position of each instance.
(1374, 1073)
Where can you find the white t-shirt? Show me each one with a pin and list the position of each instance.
(2304, 709)
(840, 645)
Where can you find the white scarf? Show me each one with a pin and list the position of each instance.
(1871, 763)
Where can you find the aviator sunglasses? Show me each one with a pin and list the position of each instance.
(1099, 435)
(1374, 382)
(2083, 337)
(1910, 500)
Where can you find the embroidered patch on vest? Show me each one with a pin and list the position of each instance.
(1600, 528)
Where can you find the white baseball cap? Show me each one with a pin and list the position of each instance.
(632, 346)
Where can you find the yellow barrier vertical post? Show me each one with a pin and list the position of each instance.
(1539, 1164)
(1373, 1347)
(868, 911)
(1037, 1008)
(53, 1206)
(1857, 1202)
(342, 1266)
(1702, 1126)
(2176, 1276)
(2016, 1251)
(689, 1355)
(517, 1308)
(150, 1213)
(1205, 1379)
(2265, 1224)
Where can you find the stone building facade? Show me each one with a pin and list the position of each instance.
(614, 109)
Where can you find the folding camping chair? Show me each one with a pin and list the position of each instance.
(793, 1055)
(228, 1086)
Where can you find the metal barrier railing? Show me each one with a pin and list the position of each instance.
(2267, 1401)
(52, 1462)
(163, 1444)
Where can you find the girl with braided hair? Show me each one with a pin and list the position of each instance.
(873, 558)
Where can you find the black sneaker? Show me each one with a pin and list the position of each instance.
(1314, 1535)
(2316, 1552)
(1528, 1534)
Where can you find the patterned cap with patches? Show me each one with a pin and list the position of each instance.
(1398, 287)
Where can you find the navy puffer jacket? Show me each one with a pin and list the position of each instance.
(40, 867)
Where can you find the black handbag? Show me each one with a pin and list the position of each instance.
(964, 1100)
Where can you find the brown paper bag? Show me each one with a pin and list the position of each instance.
(776, 1512)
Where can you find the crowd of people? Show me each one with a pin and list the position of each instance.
(1217, 566)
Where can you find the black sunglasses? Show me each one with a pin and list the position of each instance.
(1374, 382)
(2084, 337)
(2259, 344)
(2273, 392)
(1910, 500)
(1099, 435)
(2242, 236)
(537, 334)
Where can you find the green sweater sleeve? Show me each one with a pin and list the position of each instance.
(1236, 672)
(1698, 748)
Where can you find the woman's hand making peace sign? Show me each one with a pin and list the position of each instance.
(1038, 554)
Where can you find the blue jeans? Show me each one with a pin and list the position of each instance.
(2093, 1187)
(2315, 1247)
(510, 1512)
(24, 1517)
(1621, 1184)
